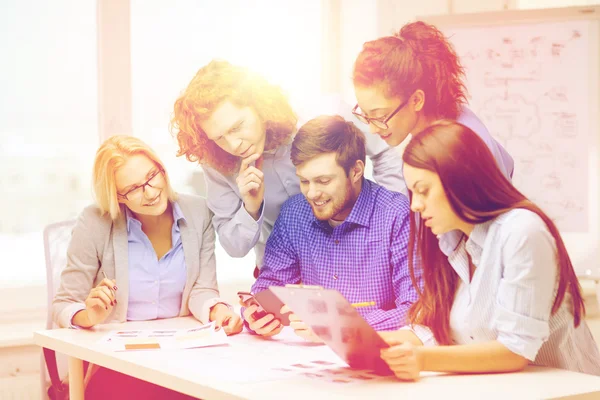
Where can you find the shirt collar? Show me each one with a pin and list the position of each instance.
(362, 209)
(177, 215)
(449, 241)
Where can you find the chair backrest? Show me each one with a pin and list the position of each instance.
(56, 240)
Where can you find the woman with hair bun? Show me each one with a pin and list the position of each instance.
(405, 82)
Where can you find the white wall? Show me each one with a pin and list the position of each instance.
(362, 21)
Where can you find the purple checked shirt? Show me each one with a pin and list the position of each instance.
(365, 258)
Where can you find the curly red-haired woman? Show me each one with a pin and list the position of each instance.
(240, 128)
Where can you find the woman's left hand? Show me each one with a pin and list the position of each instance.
(405, 360)
(226, 318)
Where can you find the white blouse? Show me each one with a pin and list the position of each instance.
(510, 296)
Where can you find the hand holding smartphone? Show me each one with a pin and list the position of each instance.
(247, 299)
(267, 303)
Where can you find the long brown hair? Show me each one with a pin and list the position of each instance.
(417, 57)
(477, 192)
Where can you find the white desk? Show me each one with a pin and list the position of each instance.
(206, 372)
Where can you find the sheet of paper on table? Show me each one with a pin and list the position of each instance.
(250, 359)
(164, 339)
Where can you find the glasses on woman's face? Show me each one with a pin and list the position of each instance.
(156, 181)
(380, 122)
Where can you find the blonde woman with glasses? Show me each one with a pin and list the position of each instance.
(142, 252)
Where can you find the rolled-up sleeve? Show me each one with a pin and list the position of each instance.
(424, 334)
(238, 231)
(527, 288)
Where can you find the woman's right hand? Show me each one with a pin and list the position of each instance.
(251, 184)
(100, 302)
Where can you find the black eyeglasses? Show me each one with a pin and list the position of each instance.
(380, 122)
(155, 181)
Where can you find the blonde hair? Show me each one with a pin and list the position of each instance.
(111, 156)
(213, 84)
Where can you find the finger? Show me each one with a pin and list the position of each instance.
(395, 352)
(259, 162)
(285, 309)
(406, 376)
(224, 320)
(253, 171)
(109, 283)
(248, 314)
(249, 187)
(304, 333)
(294, 317)
(218, 321)
(234, 325)
(250, 178)
(247, 161)
(401, 363)
(106, 291)
(102, 297)
(265, 320)
(272, 329)
(298, 325)
(96, 302)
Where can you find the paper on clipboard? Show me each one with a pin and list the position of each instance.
(333, 319)
(164, 339)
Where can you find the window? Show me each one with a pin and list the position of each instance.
(171, 41)
(48, 126)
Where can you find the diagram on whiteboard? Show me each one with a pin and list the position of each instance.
(528, 85)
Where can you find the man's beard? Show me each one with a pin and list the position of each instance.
(335, 206)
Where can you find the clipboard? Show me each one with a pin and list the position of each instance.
(333, 319)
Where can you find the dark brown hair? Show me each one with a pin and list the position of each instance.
(329, 134)
(477, 192)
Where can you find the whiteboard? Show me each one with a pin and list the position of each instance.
(532, 78)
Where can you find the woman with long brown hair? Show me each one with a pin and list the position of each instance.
(507, 294)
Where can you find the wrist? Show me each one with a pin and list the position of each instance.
(254, 211)
(216, 310)
(424, 358)
(82, 319)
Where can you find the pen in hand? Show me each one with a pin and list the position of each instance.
(113, 288)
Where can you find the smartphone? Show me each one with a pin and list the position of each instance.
(248, 300)
(267, 303)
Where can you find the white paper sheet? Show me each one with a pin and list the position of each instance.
(164, 339)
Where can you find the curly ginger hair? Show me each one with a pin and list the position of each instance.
(214, 83)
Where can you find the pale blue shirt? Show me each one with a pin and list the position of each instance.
(155, 286)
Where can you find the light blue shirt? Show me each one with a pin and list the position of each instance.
(155, 286)
(504, 160)
(510, 295)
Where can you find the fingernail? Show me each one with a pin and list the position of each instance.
(116, 288)
(112, 304)
(106, 307)
(115, 301)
